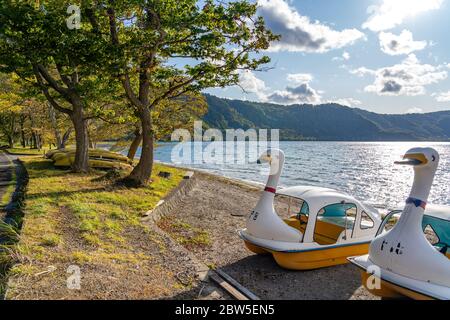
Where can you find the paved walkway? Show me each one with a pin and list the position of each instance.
(7, 168)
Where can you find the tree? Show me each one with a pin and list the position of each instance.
(23, 113)
(216, 39)
(170, 115)
(141, 43)
(10, 108)
(66, 64)
(59, 123)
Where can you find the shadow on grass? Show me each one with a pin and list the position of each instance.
(11, 226)
(57, 194)
(45, 168)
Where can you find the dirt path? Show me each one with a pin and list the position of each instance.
(215, 208)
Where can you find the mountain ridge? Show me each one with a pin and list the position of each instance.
(329, 121)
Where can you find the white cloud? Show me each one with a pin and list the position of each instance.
(299, 77)
(299, 94)
(345, 56)
(251, 84)
(442, 96)
(391, 13)
(402, 44)
(362, 71)
(406, 78)
(298, 33)
(350, 102)
(414, 110)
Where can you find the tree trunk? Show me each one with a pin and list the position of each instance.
(39, 141)
(65, 138)
(22, 138)
(81, 163)
(141, 174)
(33, 140)
(22, 131)
(11, 141)
(135, 144)
(52, 115)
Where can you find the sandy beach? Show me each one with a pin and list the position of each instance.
(216, 207)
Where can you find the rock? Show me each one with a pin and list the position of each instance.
(164, 174)
(188, 174)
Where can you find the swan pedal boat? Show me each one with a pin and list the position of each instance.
(402, 262)
(436, 217)
(324, 229)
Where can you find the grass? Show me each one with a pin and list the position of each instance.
(79, 218)
(184, 233)
(9, 252)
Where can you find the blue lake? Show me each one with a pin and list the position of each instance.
(364, 169)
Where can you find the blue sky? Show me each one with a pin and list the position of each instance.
(386, 56)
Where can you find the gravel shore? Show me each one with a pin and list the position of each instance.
(218, 207)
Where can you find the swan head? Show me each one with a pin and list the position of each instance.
(270, 155)
(274, 157)
(421, 158)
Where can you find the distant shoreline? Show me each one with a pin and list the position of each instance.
(380, 141)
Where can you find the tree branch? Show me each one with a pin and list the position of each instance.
(50, 80)
(63, 77)
(171, 90)
(47, 94)
(93, 20)
(129, 92)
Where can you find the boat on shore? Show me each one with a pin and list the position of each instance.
(98, 158)
(402, 262)
(324, 227)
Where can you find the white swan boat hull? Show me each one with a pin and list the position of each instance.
(393, 285)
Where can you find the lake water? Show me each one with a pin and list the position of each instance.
(366, 170)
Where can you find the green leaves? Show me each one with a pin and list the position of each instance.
(214, 39)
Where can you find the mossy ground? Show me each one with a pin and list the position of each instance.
(91, 222)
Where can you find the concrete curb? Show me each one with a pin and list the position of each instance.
(164, 208)
(168, 203)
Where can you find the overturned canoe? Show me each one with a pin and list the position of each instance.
(97, 159)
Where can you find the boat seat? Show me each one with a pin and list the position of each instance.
(297, 224)
(327, 233)
(443, 248)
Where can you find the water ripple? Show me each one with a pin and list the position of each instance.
(363, 169)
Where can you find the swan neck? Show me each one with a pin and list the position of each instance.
(276, 167)
(423, 179)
